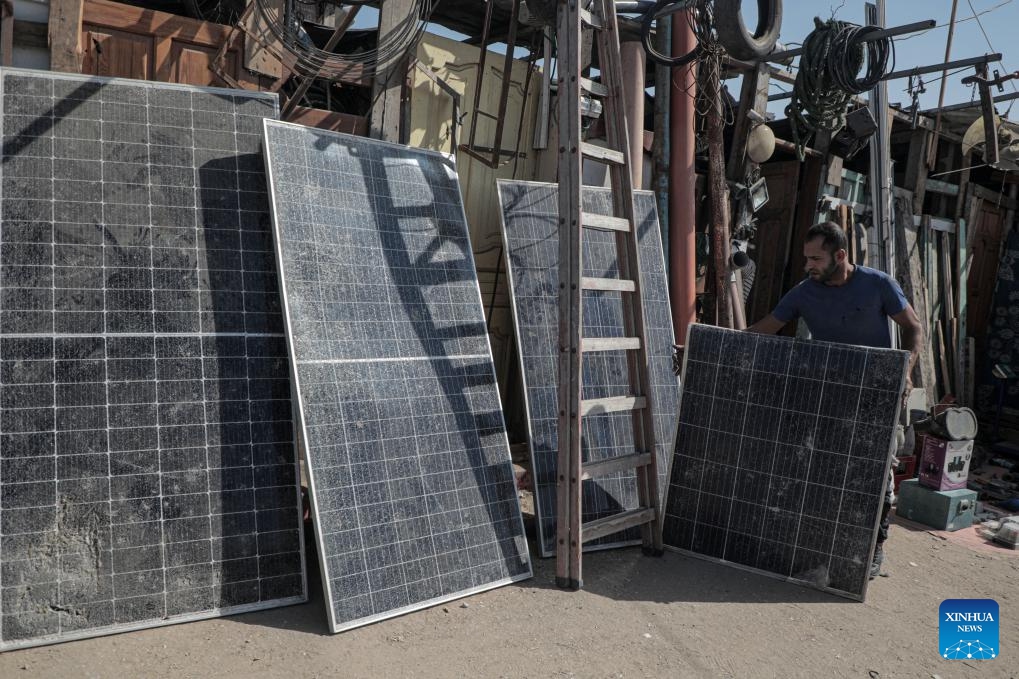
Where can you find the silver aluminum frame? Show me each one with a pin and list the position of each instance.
(299, 416)
(214, 612)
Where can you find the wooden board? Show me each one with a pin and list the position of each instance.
(771, 246)
(910, 276)
(985, 242)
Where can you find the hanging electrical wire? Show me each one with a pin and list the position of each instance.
(311, 61)
(829, 75)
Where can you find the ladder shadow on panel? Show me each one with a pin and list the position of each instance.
(457, 351)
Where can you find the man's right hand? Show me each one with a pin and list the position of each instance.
(677, 358)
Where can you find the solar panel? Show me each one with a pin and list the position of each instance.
(782, 455)
(147, 467)
(414, 495)
(530, 213)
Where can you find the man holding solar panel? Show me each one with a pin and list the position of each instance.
(849, 304)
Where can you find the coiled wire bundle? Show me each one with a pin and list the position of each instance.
(311, 61)
(829, 75)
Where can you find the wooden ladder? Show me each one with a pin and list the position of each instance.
(571, 532)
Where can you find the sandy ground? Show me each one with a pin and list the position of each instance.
(674, 616)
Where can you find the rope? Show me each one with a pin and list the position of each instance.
(829, 76)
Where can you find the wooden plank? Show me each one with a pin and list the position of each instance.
(938, 186)
(601, 154)
(774, 237)
(65, 35)
(614, 284)
(610, 344)
(262, 48)
(592, 530)
(988, 232)
(916, 168)
(753, 97)
(330, 120)
(569, 505)
(387, 115)
(909, 274)
(605, 223)
(116, 53)
(616, 464)
(6, 32)
(612, 404)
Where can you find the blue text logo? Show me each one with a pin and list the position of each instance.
(968, 629)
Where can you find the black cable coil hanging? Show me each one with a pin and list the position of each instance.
(829, 75)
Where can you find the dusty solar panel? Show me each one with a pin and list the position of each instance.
(147, 467)
(782, 455)
(414, 494)
(530, 211)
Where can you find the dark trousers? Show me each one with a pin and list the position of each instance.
(882, 531)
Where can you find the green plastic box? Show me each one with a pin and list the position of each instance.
(941, 509)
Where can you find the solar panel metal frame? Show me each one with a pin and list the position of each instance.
(664, 415)
(880, 480)
(334, 624)
(208, 613)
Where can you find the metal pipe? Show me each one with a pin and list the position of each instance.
(920, 70)
(1012, 96)
(682, 185)
(932, 152)
(869, 37)
(961, 63)
(634, 62)
(660, 142)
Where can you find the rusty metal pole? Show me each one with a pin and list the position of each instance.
(634, 61)
(682, 183)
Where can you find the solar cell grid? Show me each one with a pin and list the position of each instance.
(414, 495)
(782, 454)
(147, 468)
(530, 213)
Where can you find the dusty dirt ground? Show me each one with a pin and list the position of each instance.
(675, 616)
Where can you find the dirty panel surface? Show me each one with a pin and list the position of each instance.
(414, 495)
(530, 211)
(782, 455)
(147, 467)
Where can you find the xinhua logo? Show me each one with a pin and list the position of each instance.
(968, 629)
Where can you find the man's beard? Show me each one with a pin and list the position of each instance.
(825, 274)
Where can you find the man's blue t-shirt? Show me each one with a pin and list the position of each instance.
(853, 313)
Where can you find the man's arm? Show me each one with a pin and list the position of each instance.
(912, 337)
(768, 325)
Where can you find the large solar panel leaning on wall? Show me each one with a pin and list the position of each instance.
(782, 455)
(147, 467)
(414, 495)
(530, 212)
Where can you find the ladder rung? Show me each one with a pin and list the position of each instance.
(612, 404)
(602, 154)
(617, 284)
(605, 222)
(609, 344)
(592, 20)
(615, 464)
(595, 88)
(599, 528)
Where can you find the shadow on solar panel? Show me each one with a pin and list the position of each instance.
(782, 455)
(529, 220)
(414, 496)
(147, 467)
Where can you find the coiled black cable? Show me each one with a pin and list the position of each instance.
(829, 76)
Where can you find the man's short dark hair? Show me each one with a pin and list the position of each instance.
(833, 235)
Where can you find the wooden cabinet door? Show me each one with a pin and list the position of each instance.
(189, 64)
(112, 52)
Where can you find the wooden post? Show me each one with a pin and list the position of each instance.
(65, 35)
(387, 119)
(910, 277)
(719, 191)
